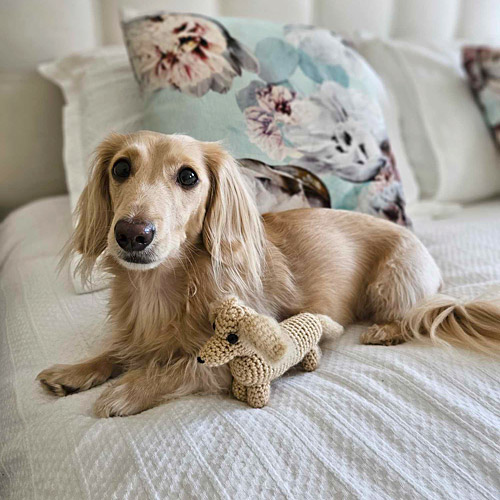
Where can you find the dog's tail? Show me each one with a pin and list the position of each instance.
(445, 320)
(331, 329)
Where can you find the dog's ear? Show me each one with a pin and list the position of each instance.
(94, 211)
(233, 231)
(264, 335)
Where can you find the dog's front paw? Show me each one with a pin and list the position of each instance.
(62, 380)
(121, 399)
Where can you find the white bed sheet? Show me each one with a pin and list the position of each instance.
(409, 421)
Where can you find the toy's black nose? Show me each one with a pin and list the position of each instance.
(134, 236)
(200, 360)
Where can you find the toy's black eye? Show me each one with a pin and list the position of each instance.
(213, 325)
(232, 338)
(187, 177)
(121, 170)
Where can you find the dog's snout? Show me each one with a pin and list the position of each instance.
(134, 235)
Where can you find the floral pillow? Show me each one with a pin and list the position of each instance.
(295, 104)
(482, 65)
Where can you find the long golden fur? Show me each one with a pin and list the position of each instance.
(211, 241)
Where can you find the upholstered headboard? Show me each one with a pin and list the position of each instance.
(32, 32)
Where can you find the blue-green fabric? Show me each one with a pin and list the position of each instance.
(280, 94)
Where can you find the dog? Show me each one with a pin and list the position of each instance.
(174, 223)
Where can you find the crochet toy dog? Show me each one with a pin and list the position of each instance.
(259, 349)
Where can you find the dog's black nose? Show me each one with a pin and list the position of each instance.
(134, 235)
(200, 360)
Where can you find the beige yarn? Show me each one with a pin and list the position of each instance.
(259, 349)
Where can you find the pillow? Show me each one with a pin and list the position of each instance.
(446, 140)
(390, 109)
(292, 98)
(101, 96)
(482, 65)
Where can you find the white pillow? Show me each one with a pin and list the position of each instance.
(447, 142)
(391, 112)
(101, 96)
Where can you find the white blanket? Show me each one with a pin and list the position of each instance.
(410, 421)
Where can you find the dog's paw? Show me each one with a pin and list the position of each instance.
(121, 399)
(388, 334)
(59, 380)
(63, 380)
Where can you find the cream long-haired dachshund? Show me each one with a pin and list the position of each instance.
(177, 228)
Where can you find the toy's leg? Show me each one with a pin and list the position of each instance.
(311, 359)
(239, 391)
(258, 395)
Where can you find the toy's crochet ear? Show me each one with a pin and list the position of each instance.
(264, 335)
(218, 306)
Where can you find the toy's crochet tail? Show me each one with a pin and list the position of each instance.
(331, 329)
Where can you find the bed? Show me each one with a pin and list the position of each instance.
(403, 422)
(410, 421)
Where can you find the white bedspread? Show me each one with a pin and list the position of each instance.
(399, 422)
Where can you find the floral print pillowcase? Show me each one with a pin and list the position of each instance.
(482, 65)
(295, 104)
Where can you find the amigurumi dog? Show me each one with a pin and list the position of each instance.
(259, 349)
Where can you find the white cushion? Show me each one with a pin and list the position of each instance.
(447, 142)
(101, 97)
(390, 109)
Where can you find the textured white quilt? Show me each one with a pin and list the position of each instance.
(401, 422)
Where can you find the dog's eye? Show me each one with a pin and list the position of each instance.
(187, 177)
(121, 169)
(232, 338)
